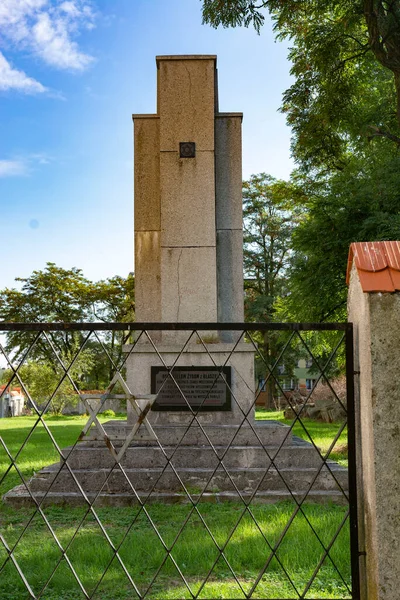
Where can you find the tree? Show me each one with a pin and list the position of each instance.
(47, 384)
(344, 111)
(360, 203)
(62, 295)
(270, 216)
(346, 63)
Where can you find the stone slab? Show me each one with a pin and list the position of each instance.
(147, 174)
(230, 278)
(266, 433)
(228, 172)
(188, 285)
(186, 103)
(196, 479)
(200, 457)
(19, 498)
(147, 276)
(187, 200)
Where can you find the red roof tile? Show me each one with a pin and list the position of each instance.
(378, 265)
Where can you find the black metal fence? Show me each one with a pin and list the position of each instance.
(227, 472)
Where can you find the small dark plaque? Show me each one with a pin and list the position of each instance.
(187, 149)
(204, 388)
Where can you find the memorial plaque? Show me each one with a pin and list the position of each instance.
(200, 388)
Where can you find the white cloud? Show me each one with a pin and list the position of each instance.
(53, 44)
(23, 165)
(13, 79)
(11, 168)
(47, 29)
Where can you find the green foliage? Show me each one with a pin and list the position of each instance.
(194, 551)
(344, 111)
(46, 384)
(346, 63)
(61, 295)
(109, 413)
(38, 450)
(233, 13)
(360, 203)
(142, 551)
(270, 216)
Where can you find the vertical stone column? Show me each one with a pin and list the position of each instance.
(188, 230)
(147, 218)
(188, 240)
(374, 309)
(229, 220)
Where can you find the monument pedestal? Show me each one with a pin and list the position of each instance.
(217, 380)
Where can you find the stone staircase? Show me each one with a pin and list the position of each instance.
(268, 460)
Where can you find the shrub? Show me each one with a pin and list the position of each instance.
(108, 413)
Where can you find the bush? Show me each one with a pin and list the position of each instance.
(108, 413)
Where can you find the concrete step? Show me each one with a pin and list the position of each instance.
(265, 432)
(196, 479)
(296, 455)
(20, 498)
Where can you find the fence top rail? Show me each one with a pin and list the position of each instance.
(138, 326)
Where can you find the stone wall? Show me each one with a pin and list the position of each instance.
(376, 319)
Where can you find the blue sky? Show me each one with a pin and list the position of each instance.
(72, 72)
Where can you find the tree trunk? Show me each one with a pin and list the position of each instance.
(269, 398)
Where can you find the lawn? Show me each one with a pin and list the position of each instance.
(143, 553)
(322, 434)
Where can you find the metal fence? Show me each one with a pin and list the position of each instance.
(232, 475)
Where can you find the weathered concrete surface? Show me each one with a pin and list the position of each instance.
(19, 498)
(165, 478)
(148, 276)
(147, 218)
(229, 220)
(187, 201)
(188, 286)
(376, 319)
(265, 433)
(183, 204)
(230, 278)
(228, 170)
(277, 472)
(186, 101)
(147, 172)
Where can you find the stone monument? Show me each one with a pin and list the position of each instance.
(189, 245)
(200, 433)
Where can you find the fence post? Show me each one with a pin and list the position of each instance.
(374, 310)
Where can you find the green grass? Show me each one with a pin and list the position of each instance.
(143, 553)
(321, 433)
(194, 552)
(39, 450)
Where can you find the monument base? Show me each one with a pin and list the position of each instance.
(216, 463)
(206, 456)
(229, 367)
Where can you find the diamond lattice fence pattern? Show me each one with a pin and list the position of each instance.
(177, 461)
